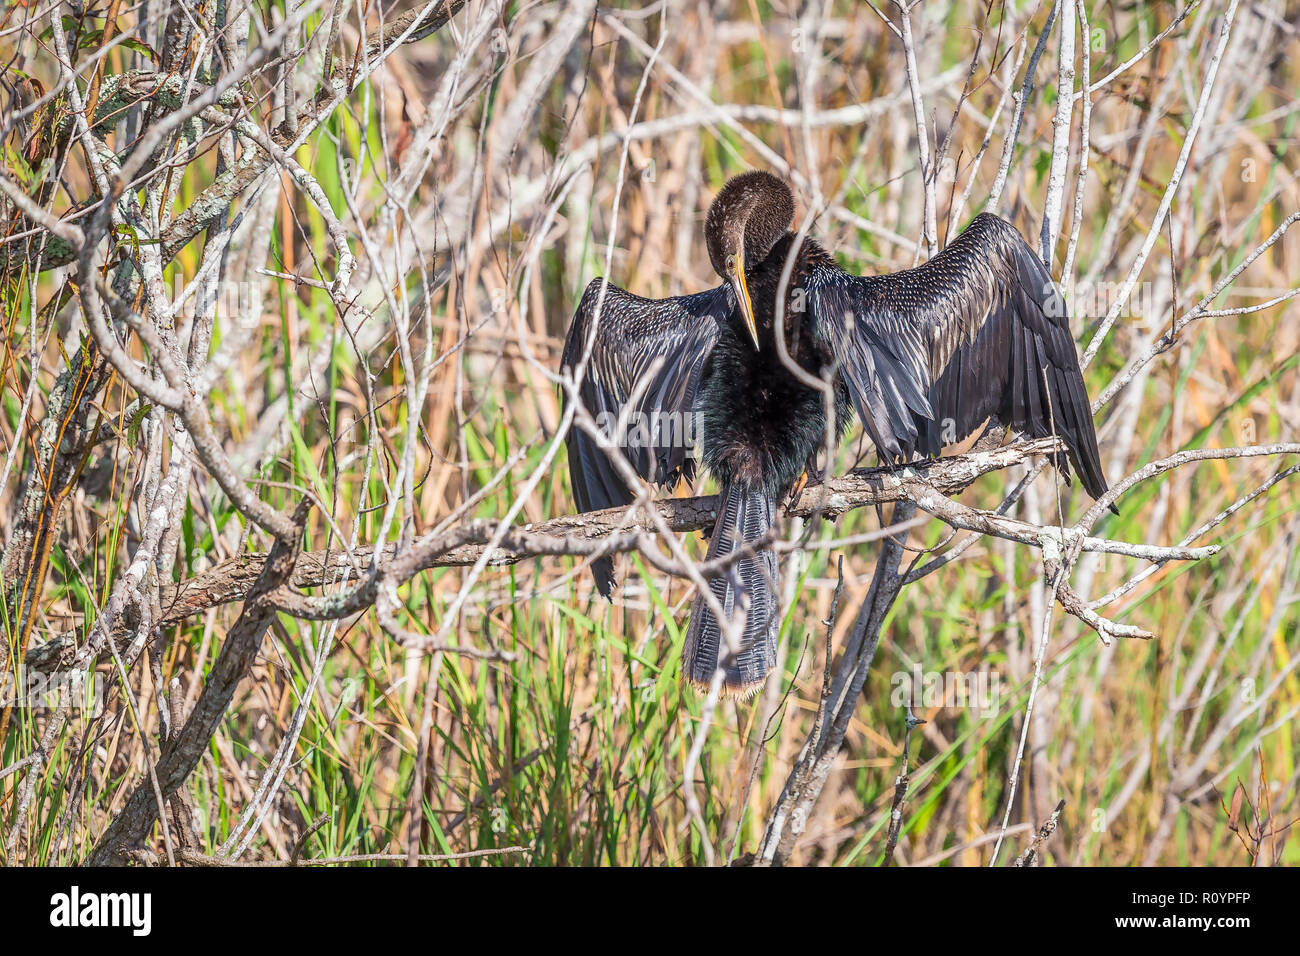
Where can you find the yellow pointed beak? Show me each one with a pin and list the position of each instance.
(742, 296)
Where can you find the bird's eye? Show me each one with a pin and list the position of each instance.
(731, 263)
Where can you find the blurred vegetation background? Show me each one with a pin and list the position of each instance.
(483, 176)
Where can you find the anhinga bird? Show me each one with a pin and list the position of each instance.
(924, 356)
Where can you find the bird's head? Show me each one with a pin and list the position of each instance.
(750, 213)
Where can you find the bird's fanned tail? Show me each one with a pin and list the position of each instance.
(752, 580)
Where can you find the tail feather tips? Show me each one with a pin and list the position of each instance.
(748, 586)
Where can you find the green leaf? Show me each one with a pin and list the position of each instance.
(139, 46)
(133, 428)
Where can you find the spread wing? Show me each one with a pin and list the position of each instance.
(980, 330)
(648, 354)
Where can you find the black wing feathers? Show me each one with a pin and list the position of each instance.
(980, 330)
(886, 387)
(648, 353)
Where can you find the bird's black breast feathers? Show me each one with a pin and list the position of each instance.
(759, 424)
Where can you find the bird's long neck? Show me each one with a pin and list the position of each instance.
(764, 280)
